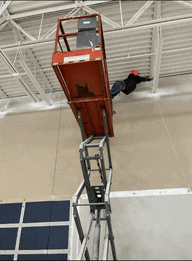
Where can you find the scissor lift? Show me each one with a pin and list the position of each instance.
(83, 76)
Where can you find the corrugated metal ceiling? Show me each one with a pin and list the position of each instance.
(153, 37)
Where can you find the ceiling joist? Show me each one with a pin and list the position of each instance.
(130, 42)
(22, 30)
(184, 3)
(4, 7)
(34, 81)
(165, 22)
(140, 12)
(53, 29)
(52, 9)
(18, 79)
(34, 60)
(104, 18)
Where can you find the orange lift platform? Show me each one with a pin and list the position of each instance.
(82, 73)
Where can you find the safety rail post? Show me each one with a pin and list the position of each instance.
(111, 236)
(96, 242)
(106, 243)
(80, 229)
(81, 125)
(64, 38)
(84, 243)
(107, 138)
(57, 38)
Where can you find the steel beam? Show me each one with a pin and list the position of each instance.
(14, 72)
(184, 3)
(28, 90)
(27, 44)
(7, 63)
(138, 26)
(53, 29)
(49, 32)
(5, 105)
(104, 18)
(157, 63)
(51, 9)
(3, 94)
(84, 243)
(80, 229)
(34, 81)
(33, 59)
(40, 26)
(81, 125)
(157, 47)
(21, 29)
(118, 59)
(111, 236)
(121, 13)
(3, 25)
(140, 12)
(153, 23)
(107, 138)
(106, 244)
(96, 242)
(3, 8)
(157, 15)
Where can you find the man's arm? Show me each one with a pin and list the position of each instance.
(142, 79)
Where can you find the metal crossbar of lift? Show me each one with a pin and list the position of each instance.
(98, 196)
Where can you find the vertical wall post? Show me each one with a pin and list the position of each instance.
(156, 48)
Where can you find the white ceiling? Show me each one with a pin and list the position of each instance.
(153, 37)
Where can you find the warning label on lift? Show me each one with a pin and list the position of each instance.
(76, 58)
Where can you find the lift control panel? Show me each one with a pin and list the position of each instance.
(79, 61)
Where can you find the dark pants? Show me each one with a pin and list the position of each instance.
(117, 88)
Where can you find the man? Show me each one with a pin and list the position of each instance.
(129, 84)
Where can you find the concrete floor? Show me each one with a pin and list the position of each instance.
(153, 227)
(152, 147)
(150, 225)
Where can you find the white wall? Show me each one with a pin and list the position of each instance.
(152, 147)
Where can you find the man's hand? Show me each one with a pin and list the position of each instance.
(148, 79)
